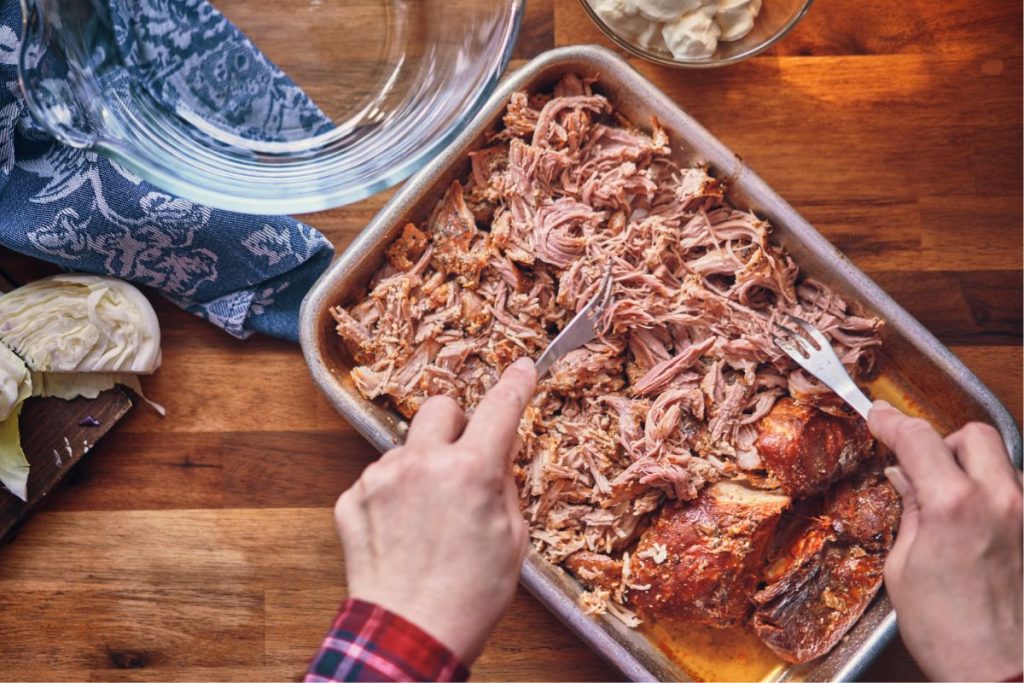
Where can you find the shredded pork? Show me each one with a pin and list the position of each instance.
(666, 400)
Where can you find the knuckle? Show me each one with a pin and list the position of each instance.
(521, 374)
(442, 404)
(476, 466)
(345, 508)
(475, 470)
(956, 500)
(372, 473)
(505, 395)
(911, 429)
(502, 527)
(343, 505)
(434, 466)
(377, 477)
(1009, 506)
(979, 430)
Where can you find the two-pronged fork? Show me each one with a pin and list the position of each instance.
(815, 355)
(580, 329)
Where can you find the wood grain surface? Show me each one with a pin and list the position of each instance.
(201, 546)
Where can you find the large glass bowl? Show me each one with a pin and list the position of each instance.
(389, 84)
(775, 19)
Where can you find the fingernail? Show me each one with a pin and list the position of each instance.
(882, 405)
(524, 363)
(899, 481)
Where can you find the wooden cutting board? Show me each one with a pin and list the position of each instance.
(54, 441)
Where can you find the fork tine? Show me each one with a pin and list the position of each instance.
(796, 338)
(603, 296)
(822, 362)
(580, 329)
(606, 286)
(813, 331)
(790, 350)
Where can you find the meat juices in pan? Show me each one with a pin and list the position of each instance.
(683, 387)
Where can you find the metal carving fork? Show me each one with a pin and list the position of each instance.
(580, 329)
(815, 355)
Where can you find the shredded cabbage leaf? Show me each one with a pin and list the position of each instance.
(15, 382)
(13, 464)
(81, 323)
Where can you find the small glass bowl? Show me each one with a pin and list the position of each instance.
(172, 95)
(775, 20)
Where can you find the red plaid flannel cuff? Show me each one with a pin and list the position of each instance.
(369, 643)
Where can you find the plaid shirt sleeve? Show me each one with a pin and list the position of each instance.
(369, 643)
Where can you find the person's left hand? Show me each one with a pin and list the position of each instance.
(433, 531)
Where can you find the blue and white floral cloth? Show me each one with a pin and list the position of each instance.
(84, 212)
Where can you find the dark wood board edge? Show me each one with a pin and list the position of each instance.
(54, 442)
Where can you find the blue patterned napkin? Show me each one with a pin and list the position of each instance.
(84, 212)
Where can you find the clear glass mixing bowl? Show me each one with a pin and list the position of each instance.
(391, 82)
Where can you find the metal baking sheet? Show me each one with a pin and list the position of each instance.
(917, 361)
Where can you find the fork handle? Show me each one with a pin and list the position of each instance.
(856, 398)
(546, 360)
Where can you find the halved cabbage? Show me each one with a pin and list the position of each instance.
(81, 323)
(15, 382)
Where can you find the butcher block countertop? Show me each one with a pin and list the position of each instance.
(201, 545)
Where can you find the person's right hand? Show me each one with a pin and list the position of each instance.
(433, 531)
(954, 574)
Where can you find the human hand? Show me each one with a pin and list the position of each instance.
(954, 574)
(432, 531)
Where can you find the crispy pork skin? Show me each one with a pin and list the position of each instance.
(714, 549)
(806, 612)
(807, 449)
(828, 576)
(865, 511)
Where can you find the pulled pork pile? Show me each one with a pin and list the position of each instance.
(667, 399)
